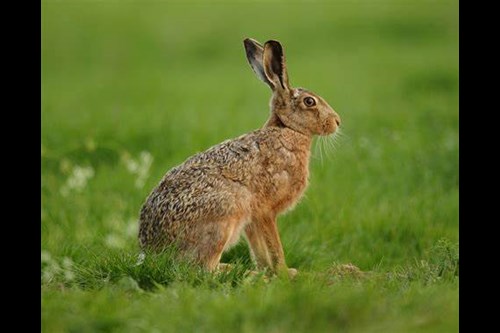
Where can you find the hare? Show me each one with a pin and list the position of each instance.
(241, 185)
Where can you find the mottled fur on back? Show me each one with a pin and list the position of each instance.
(203, 205)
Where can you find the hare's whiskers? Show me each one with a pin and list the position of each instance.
(324, 143)
(320, 142)
(317, 150)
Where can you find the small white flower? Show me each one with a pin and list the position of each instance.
(69, 275)
(114, 241)
(46, 257)
(47, 276)
(139, 167)
(140, 258)
(50, 271)
(77, 180)
(132, 165)
(67, 263)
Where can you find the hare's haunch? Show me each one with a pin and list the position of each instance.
(241, 185)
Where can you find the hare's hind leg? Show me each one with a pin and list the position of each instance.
(209, 245)
(214, 239)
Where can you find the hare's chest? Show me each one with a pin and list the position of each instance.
(287, 181)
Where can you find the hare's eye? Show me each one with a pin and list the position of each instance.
(309, 101)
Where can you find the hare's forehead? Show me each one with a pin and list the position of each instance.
(298, 91)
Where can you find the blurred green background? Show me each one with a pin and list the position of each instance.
(131, 89)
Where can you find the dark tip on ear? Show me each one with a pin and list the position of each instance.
(249, 46)
(251, 41)
(274, 43)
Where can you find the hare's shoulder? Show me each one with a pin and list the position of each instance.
(241, 149)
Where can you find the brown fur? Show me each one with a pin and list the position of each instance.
(203, 205)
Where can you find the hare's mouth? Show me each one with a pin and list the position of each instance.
(330, 126)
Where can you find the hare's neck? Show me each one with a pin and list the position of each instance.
(274, 121)
(295, 141)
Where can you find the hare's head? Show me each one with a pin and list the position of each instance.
(295, 108)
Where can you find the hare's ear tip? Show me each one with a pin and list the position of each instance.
(250, 41)
(273, 44)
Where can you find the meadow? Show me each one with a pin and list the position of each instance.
(131, 89)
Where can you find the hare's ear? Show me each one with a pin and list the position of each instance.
(274, 65)
(254, 55)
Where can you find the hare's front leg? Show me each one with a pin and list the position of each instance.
(265, 244)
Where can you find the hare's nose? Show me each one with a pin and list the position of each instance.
(337, 120)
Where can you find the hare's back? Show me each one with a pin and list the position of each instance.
(191, 193)
(211, 184)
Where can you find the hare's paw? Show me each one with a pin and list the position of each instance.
(253, 276)
(292, 272)
(221, 267)
(286, 272)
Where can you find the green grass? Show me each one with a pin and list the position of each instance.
(123, 82)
